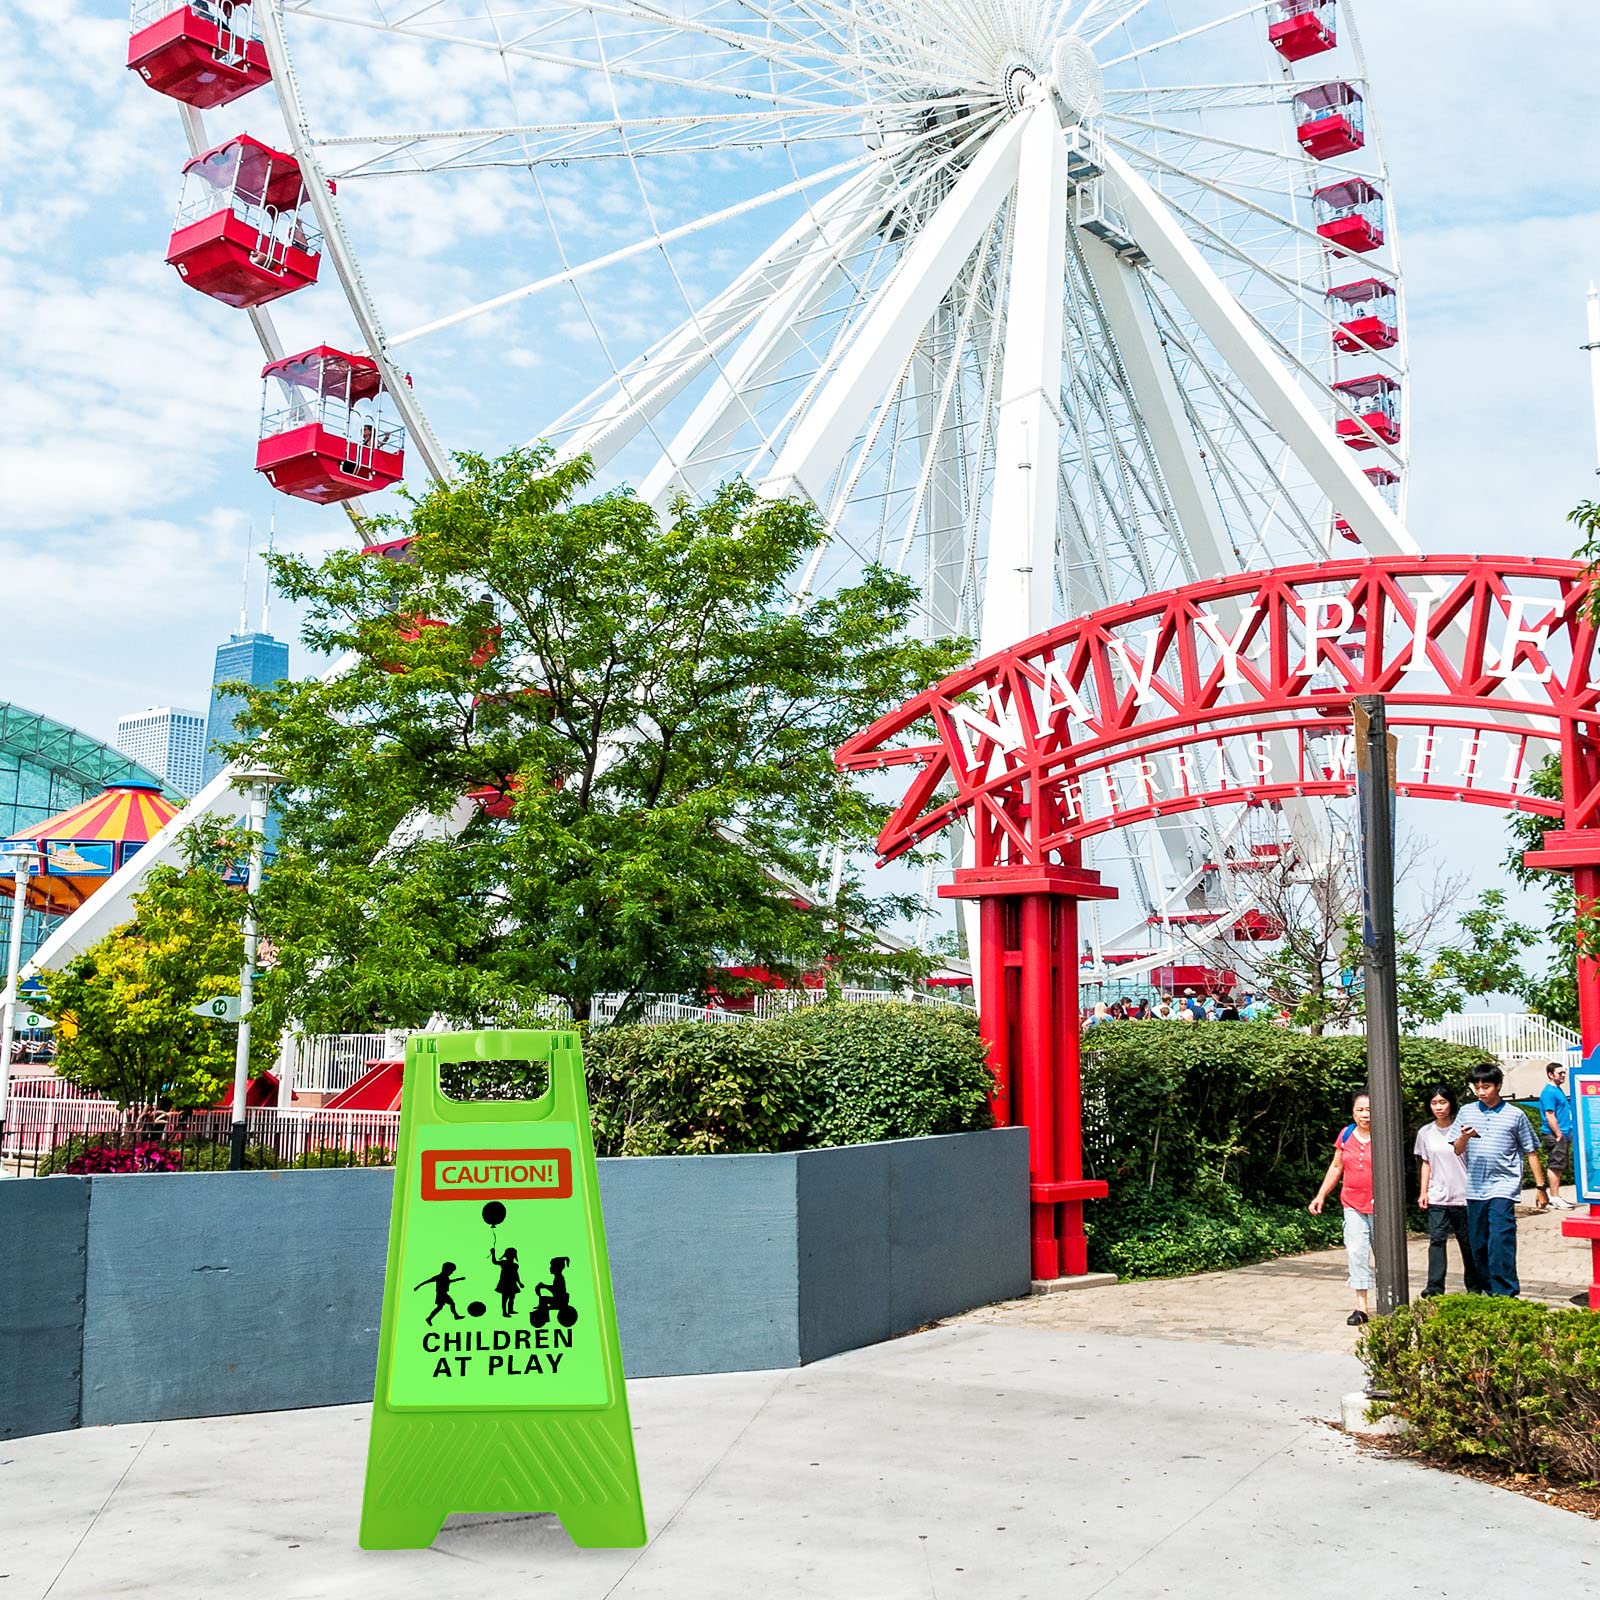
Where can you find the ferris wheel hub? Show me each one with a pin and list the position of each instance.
(1078, 80)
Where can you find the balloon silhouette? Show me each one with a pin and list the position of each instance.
(494, 1213)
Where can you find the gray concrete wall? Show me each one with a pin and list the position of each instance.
(212, 1292)
(954, 1234)
(704, 1258)
(196, 1294)
(44, 1225)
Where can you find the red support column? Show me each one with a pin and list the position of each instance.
(1035, 1052)
(1069, 1090)
(1577, 850)
(992, 1006)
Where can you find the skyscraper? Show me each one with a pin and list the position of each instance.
(169, 742)
(254, 658)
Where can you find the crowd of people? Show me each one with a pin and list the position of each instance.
(1215, 1006)
(1471, 1169)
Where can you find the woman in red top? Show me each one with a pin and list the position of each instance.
(1351, 1169)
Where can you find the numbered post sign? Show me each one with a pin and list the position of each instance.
(1583, 1089)
(499, 1374)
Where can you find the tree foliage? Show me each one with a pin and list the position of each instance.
(1314, 970)
(126, 1030)
(657, 709)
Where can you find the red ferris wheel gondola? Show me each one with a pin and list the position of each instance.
(1369, 316)
(1375, 399)
(1303, 28)
(325, 435)
(204, 53)
(1329, 120)
(243, 234)
(1350, 215)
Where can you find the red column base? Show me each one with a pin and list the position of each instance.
(1588, 1228)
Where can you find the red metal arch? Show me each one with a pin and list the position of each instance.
(1236, 690)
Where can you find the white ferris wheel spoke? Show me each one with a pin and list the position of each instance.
(1252, 10)
(624, 253)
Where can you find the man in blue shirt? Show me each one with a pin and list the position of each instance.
(1493, 1137)
(1555, 1112)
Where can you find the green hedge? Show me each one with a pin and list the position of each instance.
(1214, 1136)
(1499, 1381)
(827, 1075)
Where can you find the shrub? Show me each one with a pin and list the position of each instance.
(107, 1152)
(210, 1157)
(1502, 1381)
(830, 1074)
(1212, 1137)
(892, 1071)
(333, 1155)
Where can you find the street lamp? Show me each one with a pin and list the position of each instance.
(19, 856)
(257, 782)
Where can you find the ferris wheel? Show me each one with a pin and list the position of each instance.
(1046, 303)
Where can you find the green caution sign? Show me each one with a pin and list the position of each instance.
(499, 1374)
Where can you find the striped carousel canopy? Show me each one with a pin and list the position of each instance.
(85, 846)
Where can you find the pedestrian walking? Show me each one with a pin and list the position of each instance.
(1555, 1112)
(1494, 1136)
(1351, 1169)
(1443, 1194)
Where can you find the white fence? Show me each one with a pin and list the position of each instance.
(36, 1124)
(1503, 1033)
(325, 1063)
(1511, 1035)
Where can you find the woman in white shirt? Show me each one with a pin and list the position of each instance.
(1443, 1195)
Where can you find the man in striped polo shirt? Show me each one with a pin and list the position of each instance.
(1492, 1137)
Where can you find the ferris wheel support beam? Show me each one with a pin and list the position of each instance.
(1178, 456)
(881, 347)
(337, 246)
(692, 454)
(1282, 401)
(1018, 581)
(696, 341)
(1155, 392)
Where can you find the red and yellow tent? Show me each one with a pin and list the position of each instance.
(83, 847)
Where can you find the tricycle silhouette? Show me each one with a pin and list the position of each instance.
(553, 1297)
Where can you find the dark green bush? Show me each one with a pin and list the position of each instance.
(831, 1074)
(1213, 1136)
(1502, 1381)
(214, 1157)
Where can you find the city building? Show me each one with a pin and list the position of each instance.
(45, 767)
(170, 742)
(253, 658)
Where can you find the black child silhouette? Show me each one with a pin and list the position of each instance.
(441, 1282)
(553, 1297)
(510, 1284)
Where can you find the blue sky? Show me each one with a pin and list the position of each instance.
(128, 403)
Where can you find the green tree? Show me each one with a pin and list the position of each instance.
(1552, 992)
(652, 706)
(126, 1030)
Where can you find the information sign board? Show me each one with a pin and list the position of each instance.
(499, 1384)
(1583, 1088)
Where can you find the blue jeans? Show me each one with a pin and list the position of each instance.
(1492, 1228)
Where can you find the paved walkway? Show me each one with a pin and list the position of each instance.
(1296, 1303)
(968, 1461)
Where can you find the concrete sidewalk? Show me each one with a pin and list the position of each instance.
(971, 1460)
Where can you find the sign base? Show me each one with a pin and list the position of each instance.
(421, 1470)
